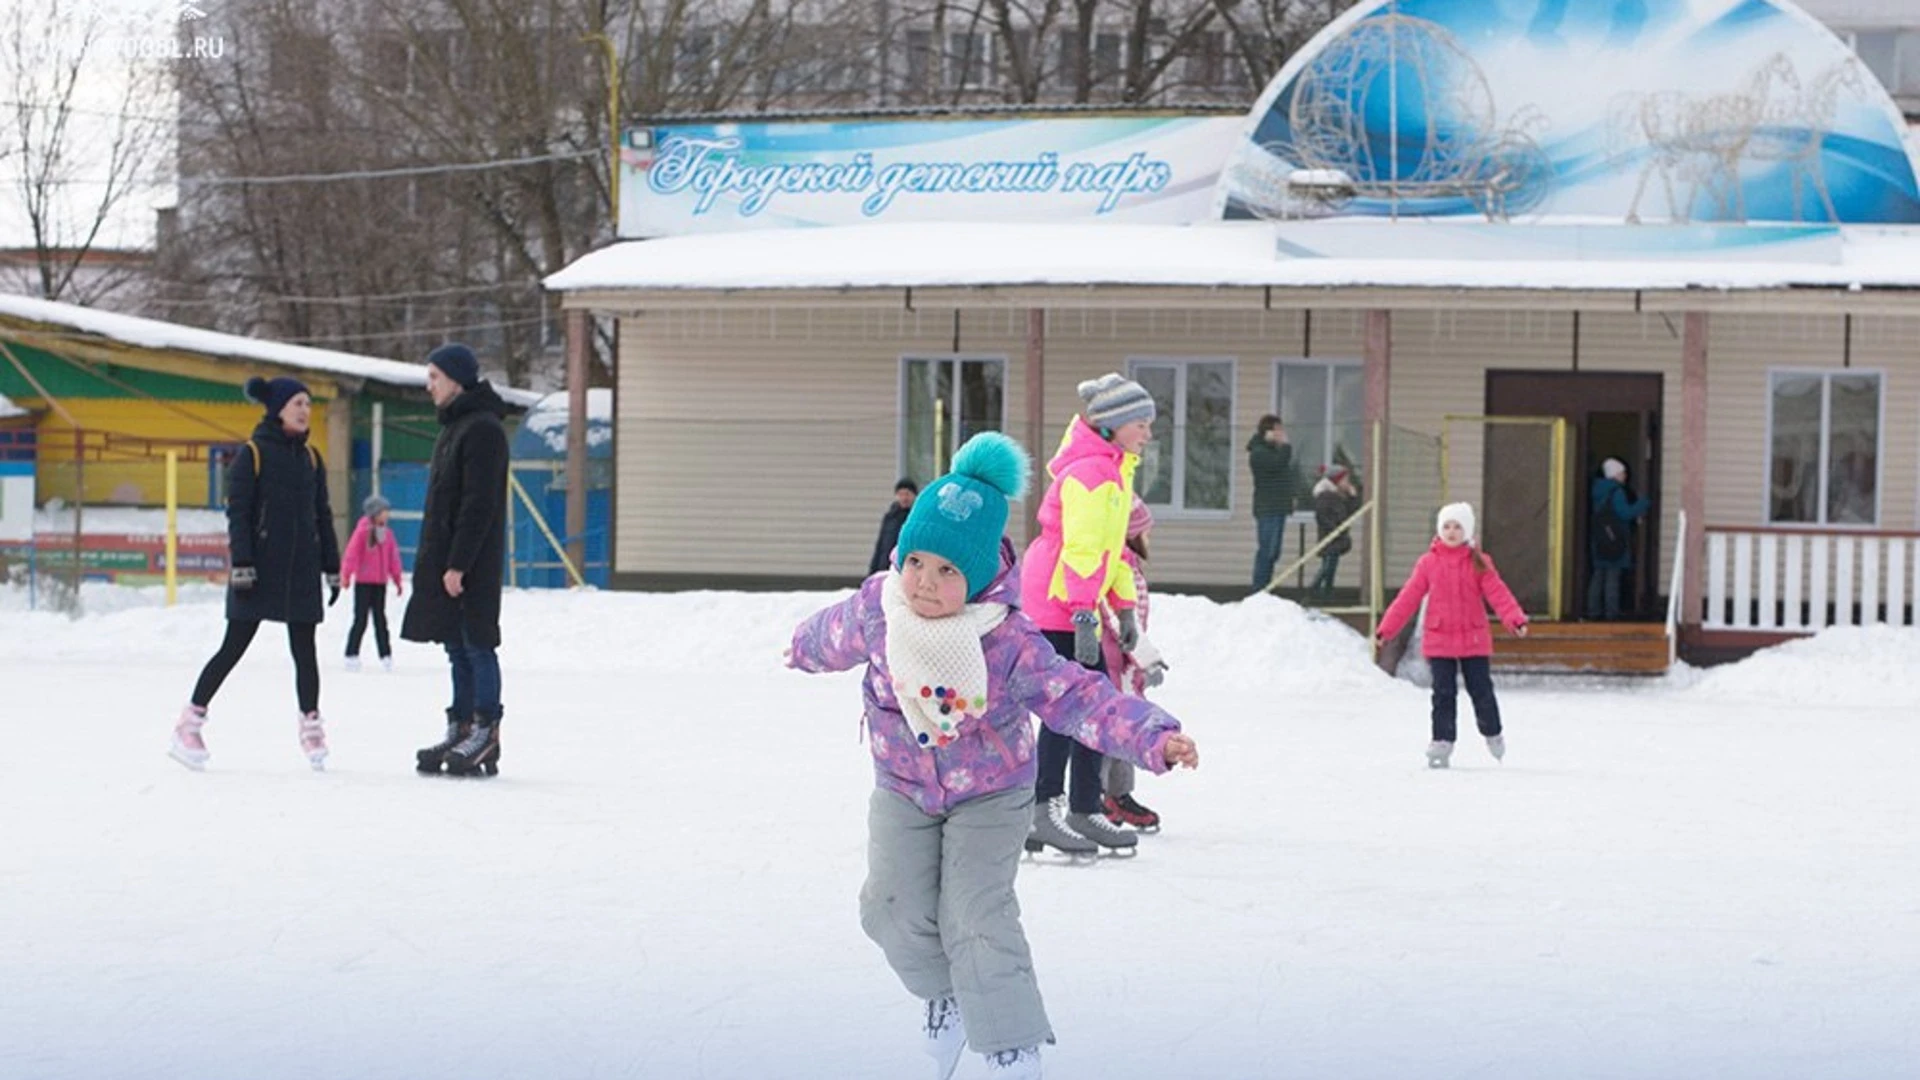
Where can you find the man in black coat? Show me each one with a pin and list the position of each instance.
(458, 567)
(904, 492)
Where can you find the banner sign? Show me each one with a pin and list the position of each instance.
(726, 177)
(127, 559)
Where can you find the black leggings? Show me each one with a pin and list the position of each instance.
(1055, 751)
(306, 663)
(369, 600)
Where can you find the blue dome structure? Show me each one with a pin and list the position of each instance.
(1678, 111)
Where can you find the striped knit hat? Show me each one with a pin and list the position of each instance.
(1113, 399)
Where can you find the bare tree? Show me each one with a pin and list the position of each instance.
(84, 139)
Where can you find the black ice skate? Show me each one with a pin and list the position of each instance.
(429, 759)
(478, 754)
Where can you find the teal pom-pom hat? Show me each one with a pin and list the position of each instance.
(962, 515)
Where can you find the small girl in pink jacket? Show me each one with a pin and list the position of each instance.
(1458, 581)
(369, 564)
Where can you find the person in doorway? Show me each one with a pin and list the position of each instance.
(459, 566)
(1610, 538)
(953, 674)
(1458, 581)
(904, 491)
(281, 546)
(1071, 569)
(1335, 499)
(370, 563)
(1270, 456)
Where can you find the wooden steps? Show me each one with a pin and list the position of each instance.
(1584, 648)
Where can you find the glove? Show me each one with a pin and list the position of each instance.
(333, 589)
(1086, 638)
(1129, 630)
(242, 577)
(1155, 675)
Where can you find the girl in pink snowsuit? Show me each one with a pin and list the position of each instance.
(1458, 581)
(369, 564)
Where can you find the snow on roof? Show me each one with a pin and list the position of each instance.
(1251, 253)
(9, 409)
(548, 419)
(156, 334)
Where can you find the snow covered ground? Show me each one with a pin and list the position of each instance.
(1709, 875)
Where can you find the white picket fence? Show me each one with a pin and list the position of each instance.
(1799, 580)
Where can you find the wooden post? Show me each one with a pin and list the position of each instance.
(1036, 413)
(579, 340)
(1693, 464)
(1377, 376)
(340, 464)
(173, 525)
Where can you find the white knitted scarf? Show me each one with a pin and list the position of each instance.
(938, 665)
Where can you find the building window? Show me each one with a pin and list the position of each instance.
(1189, 465)
(1323, 404)
(922, 61)
(1823, 431)
(944, 401)
(969, 60)
(1891, 55)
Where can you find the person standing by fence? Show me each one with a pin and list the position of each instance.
(370, 563)
(1270, 456)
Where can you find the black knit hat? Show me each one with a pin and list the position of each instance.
(458, 363)
(273, 394)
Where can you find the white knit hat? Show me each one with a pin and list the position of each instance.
(1613, 469)
(1460, 512)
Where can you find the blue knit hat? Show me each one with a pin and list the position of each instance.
(273, 394)
(962, 515)
(458, 363)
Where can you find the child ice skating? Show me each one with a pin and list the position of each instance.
(1458, 581)
(281, 543)
(1133, 670)
(952, 671)
(1072, 568)
(371, 563)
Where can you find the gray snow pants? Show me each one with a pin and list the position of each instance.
(939, 902)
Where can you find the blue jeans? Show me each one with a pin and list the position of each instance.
(1603, 592)
(1271, 529)
(476, 679)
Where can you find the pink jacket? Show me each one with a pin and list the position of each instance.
(1074, 564)
(1457, 596)
(371, 565)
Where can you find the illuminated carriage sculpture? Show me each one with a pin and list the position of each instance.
(1441, 140)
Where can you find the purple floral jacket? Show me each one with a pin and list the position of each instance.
(994, 752)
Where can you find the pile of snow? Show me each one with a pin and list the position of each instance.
(1842, 667)
(129, 521)
(548, 418)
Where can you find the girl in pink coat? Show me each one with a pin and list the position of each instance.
(1458, 581)
(369, 564)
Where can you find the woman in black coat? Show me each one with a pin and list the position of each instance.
(281, 544)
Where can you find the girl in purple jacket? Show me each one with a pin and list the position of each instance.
(953, 669)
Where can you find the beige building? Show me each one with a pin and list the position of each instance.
(772, 386)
